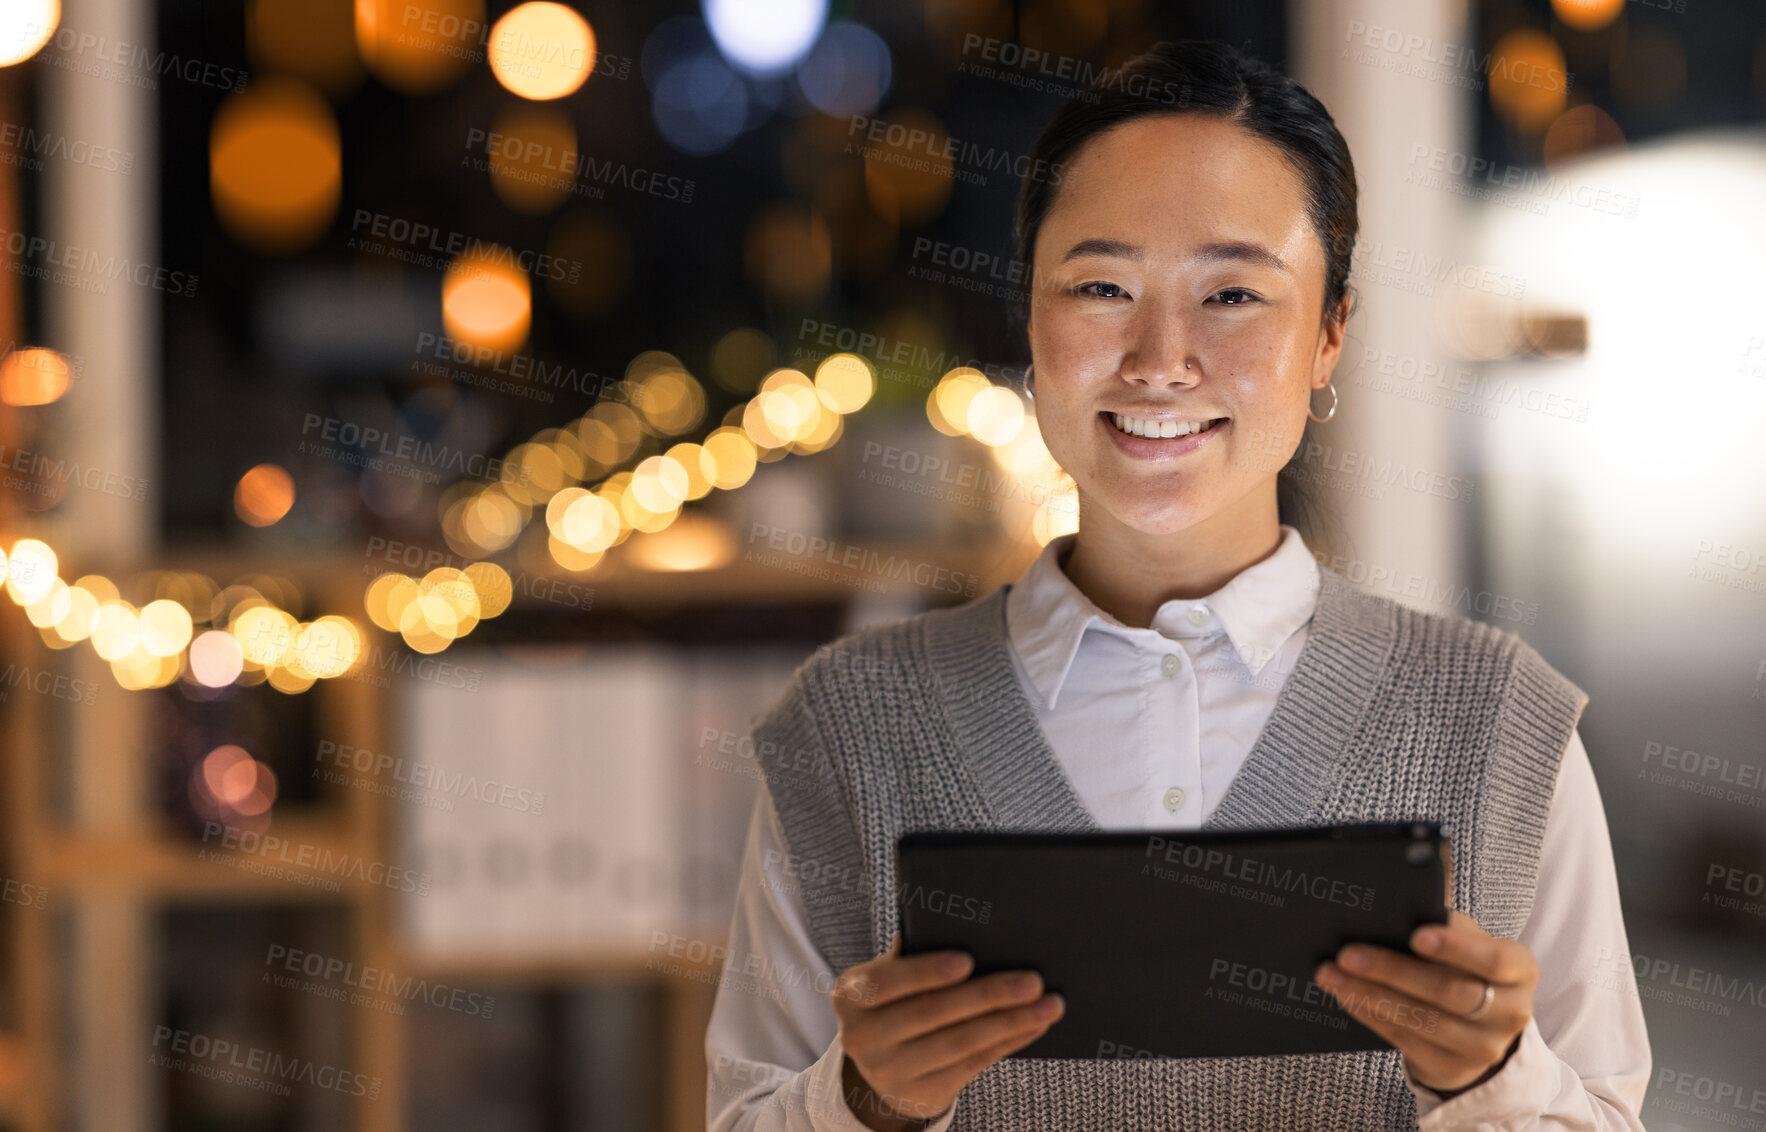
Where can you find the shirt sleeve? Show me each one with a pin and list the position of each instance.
(772, 1048)
(1583, 1062)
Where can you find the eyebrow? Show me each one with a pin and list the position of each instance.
(1238, 251)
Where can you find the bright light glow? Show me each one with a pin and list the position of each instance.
(25, 26)
(590, 524)
(995, 415)
(165, 628)
(215, 659)
(542, 50)
(116, 631)
(265, 634)
(418, 49)
(328, 647)
(692, 542)
(947, 406)
(30, 570)
(275, 164)
(82, 615)
(844, 382)
(848, 71)
(264, 495)
(765, 36)
(34, 377)
(486, 300)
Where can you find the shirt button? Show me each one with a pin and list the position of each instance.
(1170, 664)
(1198, 614)
(1174, 799)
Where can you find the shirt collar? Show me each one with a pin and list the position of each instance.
(1259, 608)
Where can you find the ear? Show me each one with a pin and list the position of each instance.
(1330, 344)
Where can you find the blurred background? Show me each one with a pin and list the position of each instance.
(432, 429)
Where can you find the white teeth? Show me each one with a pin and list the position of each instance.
(1137, 427)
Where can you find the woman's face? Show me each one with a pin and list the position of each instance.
(1174, 240)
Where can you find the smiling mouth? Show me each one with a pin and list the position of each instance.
(1158, 429)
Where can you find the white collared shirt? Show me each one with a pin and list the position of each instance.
(1186, 700)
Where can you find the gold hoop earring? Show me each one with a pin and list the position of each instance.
(1029, 377)
(1329, 415)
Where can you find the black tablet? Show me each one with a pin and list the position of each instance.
(1176, 943)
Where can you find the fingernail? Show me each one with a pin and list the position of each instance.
(954, 965)
(1025, 984)
(1428, 940)
(1354, 959)
(1327, 977)
(1050, 1006)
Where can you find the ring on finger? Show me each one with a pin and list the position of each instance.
(1483, 1007)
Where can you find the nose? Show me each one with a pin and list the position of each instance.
(1156, 349)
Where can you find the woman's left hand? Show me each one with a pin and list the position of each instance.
(1420, 1003)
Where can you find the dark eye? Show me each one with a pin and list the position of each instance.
(1101, 291)
(1244, 297)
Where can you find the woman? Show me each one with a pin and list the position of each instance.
(1180, 662)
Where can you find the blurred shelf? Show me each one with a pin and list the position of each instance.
(163, 865)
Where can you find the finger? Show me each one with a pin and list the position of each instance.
(910, 1018)
(1426, 981)
(950, 1080)
(891, 977)
(1463, 944)
(957, 1043)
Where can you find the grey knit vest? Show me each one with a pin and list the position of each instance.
(1390, 714)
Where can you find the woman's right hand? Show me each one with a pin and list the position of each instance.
(917, 1029)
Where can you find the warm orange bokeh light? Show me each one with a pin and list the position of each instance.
(1528, 83)
(542, 50)
(486, 300)
(1587, 15)
(533, 157)
(419, 49)
(264, 495)
(275, 165)
(33, 377)
(25, 26)
(313, 41)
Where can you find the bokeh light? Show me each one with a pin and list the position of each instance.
(30, 570)
(541, 50)
(848, 71)
(25, 26)
(844, 382)
(533, 157)
(275, 164)
(264, 495)
(311, 41)
(216, 659)
(765, 36)
(34, 376)
(486, 300)
(1528, 81)
(419, 55)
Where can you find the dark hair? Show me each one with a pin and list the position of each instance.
(1207, 77)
